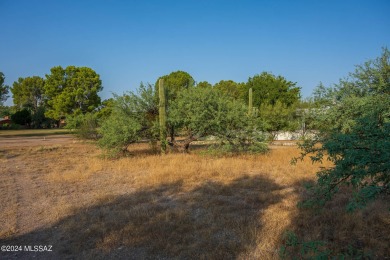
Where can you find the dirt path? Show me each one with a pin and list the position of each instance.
(23, 180)
(25, 192)
(23, 141)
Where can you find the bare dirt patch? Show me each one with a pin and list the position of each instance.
(32, 141)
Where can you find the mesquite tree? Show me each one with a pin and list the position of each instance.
(133, 117)
(201, 112)
(355, 136)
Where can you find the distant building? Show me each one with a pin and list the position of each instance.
(5, 121)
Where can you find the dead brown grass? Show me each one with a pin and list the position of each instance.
(172, 206)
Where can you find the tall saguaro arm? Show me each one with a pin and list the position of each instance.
(162, 116)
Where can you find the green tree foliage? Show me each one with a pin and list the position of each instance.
(278, 117)
(204, 84)
(6, 111)
(322, 96)
(22, 117)
(105, 109)
(4, 89)
(196, 113)
(28, 93)
(39, 120)
(133, 117)
(230, 88)
(355, 136)
(72, 90)
(268, 89)
(175, 82)
(85, 126)
(371, 78)
(201, 112)
(118, 132)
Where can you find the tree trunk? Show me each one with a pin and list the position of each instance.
(172, 133)
(184, 145)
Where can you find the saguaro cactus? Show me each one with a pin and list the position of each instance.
(250, 105)
(162, 116)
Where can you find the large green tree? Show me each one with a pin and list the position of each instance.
(73, 90)
(204, 84)
(355, 136)
(276, 99)
(231, 88)
(28, 93)
(268, 89)
(4, 89)
(175, 82)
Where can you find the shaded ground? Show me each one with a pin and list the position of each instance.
(60, 192)
(160, 223)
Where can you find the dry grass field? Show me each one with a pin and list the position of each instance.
(183, 206)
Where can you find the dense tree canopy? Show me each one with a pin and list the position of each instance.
(72, 90)
(28, 93)
(231, 88)
(204, 84)
(6, 110)
(4, 89)
(22, 117)
(268, 89)
(175, 82)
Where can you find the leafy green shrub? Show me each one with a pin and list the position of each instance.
(85, 126)
(118, 132)
(360, 155)
(11, 126)
(133, 117)
(201, 112)
(355, 136)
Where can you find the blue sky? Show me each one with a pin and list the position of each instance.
(127, 42)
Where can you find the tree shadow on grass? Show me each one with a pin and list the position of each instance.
(332, 232)
(211, 221)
